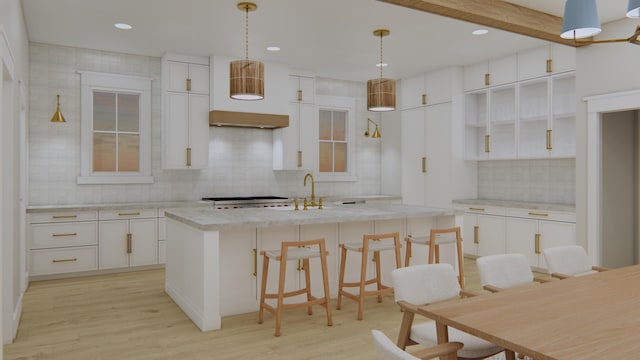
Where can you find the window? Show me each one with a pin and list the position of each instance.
(335, 139)
(116, 123)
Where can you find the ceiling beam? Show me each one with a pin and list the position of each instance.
(496, 14)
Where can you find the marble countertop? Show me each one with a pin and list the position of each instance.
(125, 206)
(210, 219)
(517, 204)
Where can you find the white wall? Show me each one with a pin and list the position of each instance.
(240, 159)
(600, 69)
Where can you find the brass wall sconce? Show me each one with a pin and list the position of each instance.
(376, 133)
(57, 116)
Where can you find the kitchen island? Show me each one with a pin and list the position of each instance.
(212, 255)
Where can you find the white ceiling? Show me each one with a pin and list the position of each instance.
(331, 38)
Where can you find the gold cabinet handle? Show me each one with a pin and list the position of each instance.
(424, 99)
(476, 234)
(476, 209)
(255, 262)
(66, 234)
(549, 140)
(424, 164)
(129, 245)
(188, 156)
(549, 65)
(537, 240)
(188, 84)
(64, 216)
(299, 95)
(63, 260)
(137, 213)
(538, 214)
(487, 143)
(487, 79)
(299, 158)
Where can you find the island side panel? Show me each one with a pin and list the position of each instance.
(192, 277)
(239, 271)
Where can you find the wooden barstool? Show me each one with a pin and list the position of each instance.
(294, 250)
(434, 247)
(370, 244)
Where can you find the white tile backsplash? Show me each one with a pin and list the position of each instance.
(548, 181)
(240, 161)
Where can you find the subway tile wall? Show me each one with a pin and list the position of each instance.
(548, 181)
(240, 160)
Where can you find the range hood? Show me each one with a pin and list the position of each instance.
(248, 120)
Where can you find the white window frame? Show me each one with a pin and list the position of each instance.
(336, 103)
(91, 81)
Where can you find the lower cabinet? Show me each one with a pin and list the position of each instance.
(530, 232)
(483, 230)
(128, 238)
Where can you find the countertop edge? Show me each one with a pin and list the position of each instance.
(517, 204)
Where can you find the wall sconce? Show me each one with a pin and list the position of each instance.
(376, 133)
(57, 116)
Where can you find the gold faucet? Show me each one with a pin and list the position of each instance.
(313, 190)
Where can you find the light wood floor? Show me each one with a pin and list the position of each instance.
(128, 316)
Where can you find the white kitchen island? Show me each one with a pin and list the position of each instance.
(213, 260)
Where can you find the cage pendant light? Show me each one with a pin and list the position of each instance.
(381, 92)
(246, 77)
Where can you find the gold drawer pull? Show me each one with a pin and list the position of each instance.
(64, 216)
(476, 209)
(299, 95)
(63, 260)
(537, 243)
(188, 156)
(299, 158)
(537, 214)
(487, 143)
(424, 99)
(188, 84)
(549, 65)
(424, 164)
(255, 262)
(476, 234)
(67, 234)
(129, 238)
(487, 79)
(129, 214)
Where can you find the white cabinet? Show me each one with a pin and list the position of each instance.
(293, 146)
(276, 87)
(185, 115)
(483, 230)
(239, 272)
(128, 238)
(63, 242)
(426, 89)
(531, 231)
(426, 155)
(546, 60)
(494, 72)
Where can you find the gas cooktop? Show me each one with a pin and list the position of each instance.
(235, 202)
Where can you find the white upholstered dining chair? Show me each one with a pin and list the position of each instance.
(425, 284)
(567, 261)
(504, 271)
(387, 350)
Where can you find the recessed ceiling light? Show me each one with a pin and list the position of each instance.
(382, 65)
(480, 32)
(273, 48)
(123, 26)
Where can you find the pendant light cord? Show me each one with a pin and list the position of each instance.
(246, 33)
(381, 55)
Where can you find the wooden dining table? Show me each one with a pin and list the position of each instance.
(589, 317)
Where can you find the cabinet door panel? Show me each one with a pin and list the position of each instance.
(413, 149)
(554, 233)
(438, 191)
(521, 234)
(412, 90)
(199, 130)
(178, 72)
(468, 234)
(144, 242)
(175, 129)
(199, 75)
(113, 244)
(237, 268)
(438, 85)
(491, 235)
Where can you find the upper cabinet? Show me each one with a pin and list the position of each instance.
(494, 72)
(185, 112)
(276, 94)
(430, 88)
(546, 60)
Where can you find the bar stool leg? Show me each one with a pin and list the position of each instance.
(407, 254)
(325, 281)
(265, 270)
(281, 282)
(307, 282)
(363, 278)
(343, 259)
(460, 258)
(432, 246)
(376, 257)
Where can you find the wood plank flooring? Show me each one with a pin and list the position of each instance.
(128, 316)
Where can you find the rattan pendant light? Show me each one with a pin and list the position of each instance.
(381, 92)
(246, 77)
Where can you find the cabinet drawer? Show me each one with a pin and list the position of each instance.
(542, 214)
(63, 234)
(128, 214)
(57, 261)
(63, 216)
(481, 209)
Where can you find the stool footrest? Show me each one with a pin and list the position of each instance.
(286, 294)
(357, 284)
